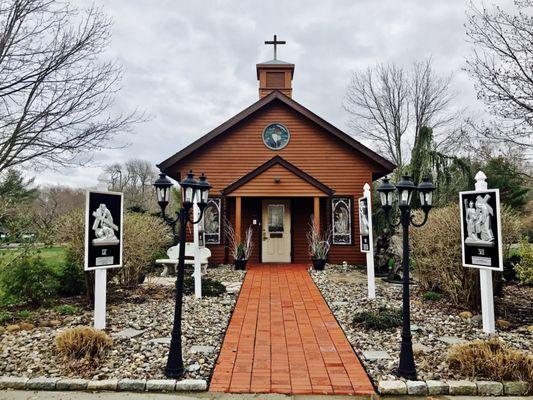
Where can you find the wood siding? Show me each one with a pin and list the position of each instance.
(239, 151)
(267, 185)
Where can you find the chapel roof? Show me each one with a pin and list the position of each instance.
(277, 96)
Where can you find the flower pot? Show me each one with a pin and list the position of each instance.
(319, 264)
(240, 264)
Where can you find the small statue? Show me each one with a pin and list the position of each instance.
(104, 227)
(382, 253)
(395, 274)
(382, 263)
(478, 223)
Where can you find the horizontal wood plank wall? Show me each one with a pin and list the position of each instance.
(267, 185)
(251, 208)
(240, 150)
(302, 210)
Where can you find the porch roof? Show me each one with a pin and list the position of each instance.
(277, 178)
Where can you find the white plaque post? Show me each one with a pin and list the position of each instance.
(197, 263)
(485, 277)
(370, 255)
(100, 278)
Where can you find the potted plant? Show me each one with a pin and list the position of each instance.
(319, 245)
(240, 250)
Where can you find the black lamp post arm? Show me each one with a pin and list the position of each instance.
(412, 219)
(199, 217)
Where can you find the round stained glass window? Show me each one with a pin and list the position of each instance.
(276, 136)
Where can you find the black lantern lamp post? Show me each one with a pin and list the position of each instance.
(191, 189)
(406, 188)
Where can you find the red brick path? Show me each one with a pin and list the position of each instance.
(282, 338)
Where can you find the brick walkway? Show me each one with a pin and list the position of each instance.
(282, 338)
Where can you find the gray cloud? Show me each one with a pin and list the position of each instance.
(191, 64)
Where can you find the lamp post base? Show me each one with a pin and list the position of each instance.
(174, 373)
(409, 375)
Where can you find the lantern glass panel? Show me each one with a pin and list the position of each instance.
(162, 194)
(404, 197)
(198, 195)
(383, 197)
(188, 195)
(205, 195)
(426, 198)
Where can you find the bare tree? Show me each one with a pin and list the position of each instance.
(432, 101)
(54, 201)
(501, 65)
(388, 104)
(135, 178)
(378, 101)
(55, 91)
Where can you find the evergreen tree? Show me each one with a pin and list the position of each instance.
(515, 187)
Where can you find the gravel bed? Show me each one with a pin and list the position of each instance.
(345, 290)
(31, 353)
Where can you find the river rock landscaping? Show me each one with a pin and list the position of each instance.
(435, 325)
(139, 323)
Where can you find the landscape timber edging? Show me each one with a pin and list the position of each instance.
(126, 384)
(452, 387)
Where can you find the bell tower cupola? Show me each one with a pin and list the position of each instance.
(275, 74)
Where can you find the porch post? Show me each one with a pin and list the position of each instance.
(238, 217)
(316, 212)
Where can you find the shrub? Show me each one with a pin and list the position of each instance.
(5, 316)
(66, 309)
(210, 287)
(71, 277)
(82, 347)
(431, 296)
(524, 268)
(145, 237)
(25, 314)
(437, 254)
(27, 278)
(491, 359)
(383, 319)
(527, 216)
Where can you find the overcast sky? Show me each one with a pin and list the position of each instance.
(191, 64)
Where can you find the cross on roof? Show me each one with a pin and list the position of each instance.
(275, 42)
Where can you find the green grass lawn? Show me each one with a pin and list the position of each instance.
(51, 255)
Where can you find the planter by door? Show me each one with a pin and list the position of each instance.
(240, 264)
(319, 264)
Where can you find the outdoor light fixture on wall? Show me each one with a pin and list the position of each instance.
(191, 189)
(406, 189)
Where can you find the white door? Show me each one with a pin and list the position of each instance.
(276, 246)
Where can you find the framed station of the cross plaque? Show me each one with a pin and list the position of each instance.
(364, 225)
(103, 230)
(481, 237)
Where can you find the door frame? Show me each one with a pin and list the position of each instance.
(291, 218)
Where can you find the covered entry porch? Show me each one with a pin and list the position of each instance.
(279, 225)
(279, 201)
